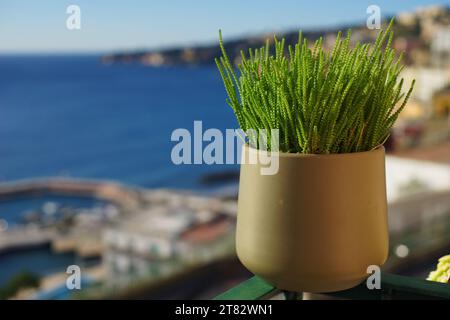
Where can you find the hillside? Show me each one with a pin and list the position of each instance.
(414, 34)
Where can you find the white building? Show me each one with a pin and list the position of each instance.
(418, 189)
(428, 81)
(149, 235)
(404, 175)
(440, 48)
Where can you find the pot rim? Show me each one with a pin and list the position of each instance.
(377, 149)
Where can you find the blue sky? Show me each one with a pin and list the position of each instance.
(40, 26)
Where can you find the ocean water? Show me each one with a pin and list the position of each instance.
(40, 261)
(74, 116)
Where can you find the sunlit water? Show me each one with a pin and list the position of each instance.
(74, 116)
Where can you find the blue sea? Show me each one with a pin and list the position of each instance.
(74, 116)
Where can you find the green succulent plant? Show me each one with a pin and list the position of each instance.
(442, 272)
(321, 102)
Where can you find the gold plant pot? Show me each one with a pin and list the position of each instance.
(317, 224)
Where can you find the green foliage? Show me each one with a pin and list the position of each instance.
(321, 102)
(21, 280)
(442, 272)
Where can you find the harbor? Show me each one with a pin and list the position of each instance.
(141, 239)
(136, 233)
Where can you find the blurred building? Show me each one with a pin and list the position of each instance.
(163, 240)
(413, 171)
(418, 186)
(440, 48)
(441, 103)
(428, 81)
(144, 245)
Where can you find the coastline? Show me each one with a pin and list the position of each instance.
(196, 227)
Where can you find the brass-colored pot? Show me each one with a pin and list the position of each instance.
(317, 224)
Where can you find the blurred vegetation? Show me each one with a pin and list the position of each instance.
(21, 280)
(442, 272)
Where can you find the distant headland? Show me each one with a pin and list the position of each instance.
(413, 31)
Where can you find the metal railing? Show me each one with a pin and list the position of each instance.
(392, 287)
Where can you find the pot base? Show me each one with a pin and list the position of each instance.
(318, 286)
(291, 279)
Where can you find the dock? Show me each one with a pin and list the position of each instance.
(127, 198)
(104, 190)
(25, 237)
